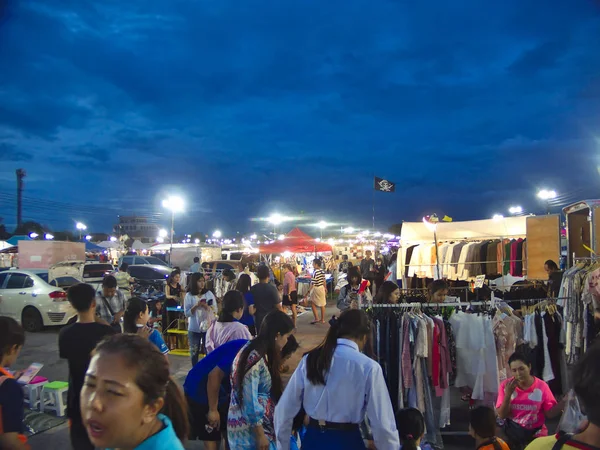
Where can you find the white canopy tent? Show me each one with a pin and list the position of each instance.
(420, 233)
(108, 244)
(4, 244)
(138, 245)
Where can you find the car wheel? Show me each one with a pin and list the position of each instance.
(31, 320)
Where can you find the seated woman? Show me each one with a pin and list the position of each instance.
(524, 402)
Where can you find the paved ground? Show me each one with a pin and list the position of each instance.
(43, 347)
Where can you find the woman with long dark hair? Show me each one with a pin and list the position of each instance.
(129, 399)
(349, 297)
(135, 321)
(256, 386)
(200, 305)
(243, 285)
(227, 328)
(337, 386)
(387, 293)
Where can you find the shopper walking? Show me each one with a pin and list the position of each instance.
(321, 384)
(367, 269)
(135, 321)
(266, 297)
(75, 344)
(257, 386)
(411, 426)
(200, 306)
(290, 291)
(243, 285)
(129, 400)
(318, 292)
(227, 328)
(12, 339)
(350, 296)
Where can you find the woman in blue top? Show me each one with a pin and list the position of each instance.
(243, 285)
(135, 321)
(129, 399)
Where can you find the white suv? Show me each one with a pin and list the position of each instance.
(27, 297)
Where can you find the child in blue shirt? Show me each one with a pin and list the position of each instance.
(135, 321)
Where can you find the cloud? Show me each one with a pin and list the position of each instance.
(267, 104)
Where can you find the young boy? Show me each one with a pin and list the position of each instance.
(482, 428)
(75, 344)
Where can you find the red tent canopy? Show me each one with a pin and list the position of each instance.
(296, 241)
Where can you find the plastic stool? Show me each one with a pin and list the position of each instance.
(33, 392)
(52, 397)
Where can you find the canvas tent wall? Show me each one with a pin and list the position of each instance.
(418, 233)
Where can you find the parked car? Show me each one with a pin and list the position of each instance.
(86, 272)
(135, 260)
(149, 272)
(28, 297)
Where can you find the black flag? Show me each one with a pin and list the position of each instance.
(383, 185)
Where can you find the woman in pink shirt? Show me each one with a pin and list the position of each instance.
(227, 327)
(524, 402)
(290, 291)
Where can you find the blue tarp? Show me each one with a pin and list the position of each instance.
(15, 239)
(91, 247)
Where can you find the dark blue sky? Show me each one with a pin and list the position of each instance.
(255, 106)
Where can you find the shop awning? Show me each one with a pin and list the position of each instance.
(296, 241)
(415, 232)
(15, 239)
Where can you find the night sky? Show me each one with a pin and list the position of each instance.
(255, 106)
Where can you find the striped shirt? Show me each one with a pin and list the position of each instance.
(318, 278)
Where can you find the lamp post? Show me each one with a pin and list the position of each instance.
(322, 225)
(81, 227)
(217, 234)
(515, 210)
(547, 196)
(276, 219)
(174, 204)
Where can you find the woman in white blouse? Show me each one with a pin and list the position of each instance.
(338, 386)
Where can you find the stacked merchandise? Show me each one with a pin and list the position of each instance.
(465, 260)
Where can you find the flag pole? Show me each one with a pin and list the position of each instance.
(373, 202)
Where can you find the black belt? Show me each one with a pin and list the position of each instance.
(324, 425)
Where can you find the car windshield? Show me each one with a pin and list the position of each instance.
(43, 276)
(155, 260)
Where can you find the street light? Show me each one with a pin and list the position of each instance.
(197, 241)
(88, 238)
(515, 210)
(49, 236)
(276, 219)
(547, 196)
(81, 227)
(322, 225)
(497, 217)
(175, 205)
(217, 234)
(113, 239)
(33, 235)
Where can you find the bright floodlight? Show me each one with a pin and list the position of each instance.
(515, 210)
(197, 241)
(497, 216)
(163, 233)
(174, 203)
(217, 234)
(49, 236)
(80, 226)
(276, 219)
(113, 239)
(88, 238)
(33, 235)
(322, 224)
(545, 194)
(253, 236)
(349, 230)
(281, 237)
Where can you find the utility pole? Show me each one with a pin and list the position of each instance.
(20, 175)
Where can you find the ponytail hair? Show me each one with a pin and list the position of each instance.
(135, 306)
(412, 427)
(352, 323)
(152, 376)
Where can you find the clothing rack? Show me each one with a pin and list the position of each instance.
(420, 305)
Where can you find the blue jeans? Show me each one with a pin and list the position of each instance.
(197, 345)
(333, 439)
